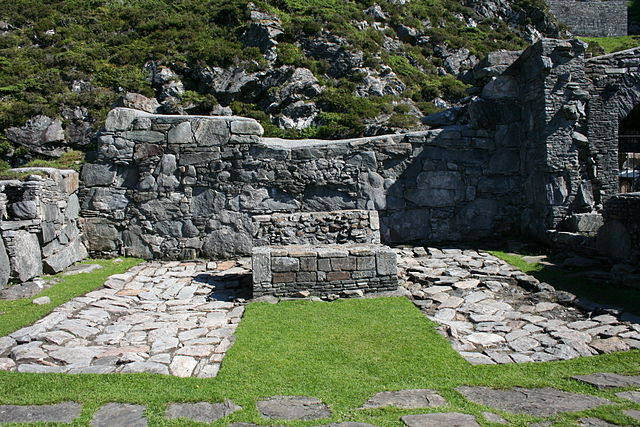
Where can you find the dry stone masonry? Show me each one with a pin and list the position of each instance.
(536, 153)
(39, 224)
(323, 270)
(592, 18)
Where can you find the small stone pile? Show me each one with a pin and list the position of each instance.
(166, 318)
(494, 313)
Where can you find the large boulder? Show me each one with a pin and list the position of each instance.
(41, 134)
(263, 32)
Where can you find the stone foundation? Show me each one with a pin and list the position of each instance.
(39, 225)
(323, 270)
(619, 237)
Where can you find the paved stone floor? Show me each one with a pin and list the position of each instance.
(542, 402)
(494, 313)
(166, 318)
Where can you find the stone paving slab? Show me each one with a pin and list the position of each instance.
(406, 399)
(170, 318)
(293, 408)
(629, 395)
(203, 412)
(59, 413)
(443, 419)
(119, 415)
(633, 413)
(594, 422)
(493, 313)
(609, 380)
(539, 402)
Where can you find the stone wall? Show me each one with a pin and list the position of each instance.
(349, 226)
(39, 225)
(323, 270)
(535, 153)
(592, 18)
(619, 237)
(184, 187)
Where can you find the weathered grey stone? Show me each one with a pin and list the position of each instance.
(119, 414)
(26, 262)
(72, 253)
(183, 366)
(406, 399)
(59, 413)
(6, 343)
(120, 119)
(5, 269)
(181, 134)
(203, 412)
(293, 408)
(542, 402)
(42, 301)
(26, 209)
(148, 367)
(633, 413)
(629, 395)
(246, 127)
(444, 419)
(609, 380)
(95, 174)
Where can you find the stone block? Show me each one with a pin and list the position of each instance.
(306, 276)
(208, 132)
(338, 275)
(181, 134)
(366, 263)
(386, 263)
(343, 264)
(284, 277)
(284, 264)
(94, 174)
(324, 264)
(24, 255)
(5, 270)
(246, 127)
(26, 209)
(308, 263)
(120, 119)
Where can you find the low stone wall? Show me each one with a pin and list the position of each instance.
(39, 224)
(312, 228)
(323, 270)
(619, 237)
(592, 18)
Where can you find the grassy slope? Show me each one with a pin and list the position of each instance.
(341, 352)
(107, 42)
(19, 313)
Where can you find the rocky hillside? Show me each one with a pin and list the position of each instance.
(329, 69)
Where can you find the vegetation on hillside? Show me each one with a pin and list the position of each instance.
(71, 53)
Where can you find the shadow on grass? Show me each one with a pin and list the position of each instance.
(602, 293)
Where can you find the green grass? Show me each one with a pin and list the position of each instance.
(602, 45)
(619, 296)
(341, 352)
(19, 313)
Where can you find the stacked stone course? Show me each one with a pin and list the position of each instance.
(39, 225)
(349, 226)
(592, 18)
(321, 270)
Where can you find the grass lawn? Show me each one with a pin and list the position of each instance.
(613, 44)
(341, 352)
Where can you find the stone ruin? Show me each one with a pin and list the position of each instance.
(39, 225)
(535, 154)
(592, 18)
